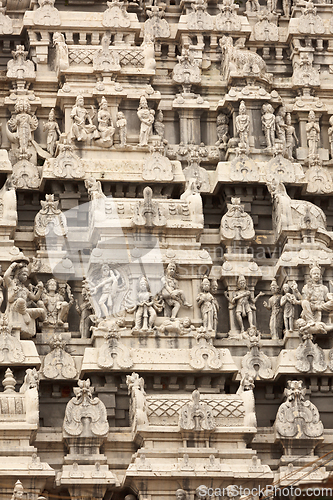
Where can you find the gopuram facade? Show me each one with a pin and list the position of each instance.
(166, 249)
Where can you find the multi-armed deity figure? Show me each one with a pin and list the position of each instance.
(243, 302)
(22, 310)
(243, 127)
(146, 117)
(172, 295)
(82, 129)
(209, 306)
(20, 127)
(53, 132)
(56, 305)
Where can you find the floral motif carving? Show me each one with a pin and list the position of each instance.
(156, 26)
(187, 71)
(255, 363)
(265, 30)
(59, 364)
(199, 19)
(113, 351)
(11, 350)
(196, 415)
(236, 224)
(309, 22)
(149, 213)
(19, 68)
(47, 14)
(204, 354)
(116, 15)
(105, 60)
(84, 406)
(157, 167)
(50, 218)
(227, 19)
(67, 164)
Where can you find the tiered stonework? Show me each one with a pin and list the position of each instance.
(166, 248)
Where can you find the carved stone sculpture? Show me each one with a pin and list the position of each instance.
(20, 127)
(62, 61)
(146, 117)
(50, 219)
(312, 134)
(85, 413)
(243, 127)
(281, 126)
(148, 213)
(297, 418)
(105, 291)
(116, 15)
(187, 71)
(181, 494)
(305, 75)
(59, 364)
(268, 125)
(242, 304)
(196, 415)
(255, 363)
(146, 308)
(67, 164)
(291, 137)
(156, 26)
(310, 22)
(18, 491)
(227, 19)
(199, 19)
(265, 30)
(319, 179)
(290, 298)
(113, 351)
(273, 304)
(315, 297)
(204, 354)
(245, 391)
(236, 224)
(330, 135)
(8, 202)
(159, 126)
(122, 126)
(105, 125)
(172, 295)
(105, 60)
(6, 24)
(309, 356)
(157, 166)
(19, 68)
(82, 129)
(85, 310)
(21, 302)
(240, 60)
(222, 129)
(53, 131)
(138, 407)
(179, 326)
(56, 305)
(209, 306)
(286, 6)
(47, 14)
(11, 350)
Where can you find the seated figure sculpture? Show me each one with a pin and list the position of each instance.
(316, 298)
(172, 295)
(21, 313)
(82, 129)
(56, 306)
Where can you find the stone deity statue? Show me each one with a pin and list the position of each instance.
(243, 127)
(108, 286)
(83, 129)
(105, 125)
(291, 137)
(56, 305)
(146, 117)
(173, 297)
(268, 124)
(290, 298)
(53, 132)
(330, 135)
(209, 306)
(312, 134)
(281, 126)
(146, 308)
(122, 126)
(273, 305)
(243, 303)
(316, 298)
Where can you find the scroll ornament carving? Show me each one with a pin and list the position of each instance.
(297, 418)
(83, 405)
(255, 363)
(318, 178)
(157, 167)
(274, 305)
(304, 74)
(55, 303)
(148, 213)
(59, 364)
(204, 354)
(116, 15)
(104, 59)
(19, 68)
(62, 61)
(156, 26)
(243, 169)
(113, 351)
(236, 224)
(6, 24)
(282, 169)
(11, 351)
(187, 71)
(173, 297)
(227, 19)
(67, 164)
(50, 218)
(309, 22)
(199, 19)
(196, 415)
(47, 14)
(309, 356)
(264, 29)
(138, 405)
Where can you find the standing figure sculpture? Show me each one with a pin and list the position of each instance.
(222, 130)
(85, 310)
(21, 300)
(281, 126)
(105, 124)
(82, 129)
(122, 126)
(268, 124)
(243, 127)
(244, 304)
(146, 117)
(330, 135)
(20, 127)
(109, 286)
(312, 134)
(173, 297)
(159, 125)
(273, 305)
(53, 132)
(56, 306)
(145, 310)
(291, 137)
(209, 306)
(289, 299)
